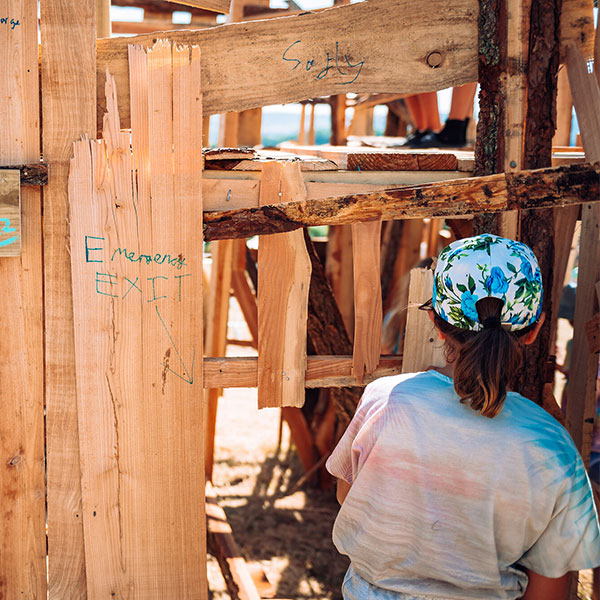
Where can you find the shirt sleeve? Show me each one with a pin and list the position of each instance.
(358, 439)
(571, 541)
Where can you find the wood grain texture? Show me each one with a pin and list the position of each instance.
(263, 69)
(283, 284)
(368, 308)
(541, 188)
(422, 348)
(31, 175)
(577, 26)
(220, 6)
(321, 371)
(582, 389)
(137, 280)
(22, 522)
(68, 111)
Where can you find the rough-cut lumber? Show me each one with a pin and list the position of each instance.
(31, 175)
(581, 407)
(541, 188)
(293, 58)
(242, 291)
(368, 309)
(283, 284)
(137, 272)
(422, 348)
(166, 7)
(577, 27)
(338, 268)
(322, 371)
(216, 336)
(224, 548)
(326, 331)
(537, 227)
(363, 158)
(68, 111)
(10, 213)
(220, 6)
(22, 520)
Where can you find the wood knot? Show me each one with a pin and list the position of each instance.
(434, 59)
(15, 460)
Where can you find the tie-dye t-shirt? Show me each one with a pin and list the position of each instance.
(444, 502)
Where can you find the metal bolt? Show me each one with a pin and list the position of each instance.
(434, 59)
(513, 164)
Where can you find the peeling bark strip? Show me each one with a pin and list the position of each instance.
(32, 175)
(543, 188)
(489, 147)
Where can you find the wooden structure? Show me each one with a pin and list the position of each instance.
(123, 485)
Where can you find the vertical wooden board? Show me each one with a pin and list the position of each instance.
(584, 372)
(422, 348)
(22, 520)
(338, 266)
(137, 274)
(283, 284)
(68, 58)
(368, 309)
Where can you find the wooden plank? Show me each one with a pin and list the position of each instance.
(535, 189)
(577, 27)
(22, 486)
(224, 548)
(68, 111)
(10, 212)
(368, 309)
(322, 371)
(283, 284)
(216, 336)
(584, 371)
(422, 348)
(564, 112)
(137, 273)
(31, 175)
(219, 6)
(241, 289)
(272, 59)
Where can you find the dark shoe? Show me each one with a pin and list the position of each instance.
(415, 137)
(454, 134)
(427, 140)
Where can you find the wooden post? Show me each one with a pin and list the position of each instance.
(537, 226)
(581, 407)
(283, 285)
(68, 112)
(22, 524)
(103, 27)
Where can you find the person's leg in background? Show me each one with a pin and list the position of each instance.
(454, 132)
(423, 109)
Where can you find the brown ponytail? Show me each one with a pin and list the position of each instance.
(484, 361)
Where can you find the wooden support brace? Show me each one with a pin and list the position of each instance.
(584, 372)
(422, 348)
(283, 285)
(368, 310)
(31, 175)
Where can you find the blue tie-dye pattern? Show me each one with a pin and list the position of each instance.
(565, 461)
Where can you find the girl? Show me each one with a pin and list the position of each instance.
(451, 486)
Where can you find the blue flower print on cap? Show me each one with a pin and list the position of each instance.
(496, 282)
(467, 305)
(487, 266)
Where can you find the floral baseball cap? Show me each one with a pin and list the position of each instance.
(487, 266)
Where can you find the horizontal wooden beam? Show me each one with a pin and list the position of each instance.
(248, 65)
(35, 174)
(229, 190)
(540, 188)
(322, 371)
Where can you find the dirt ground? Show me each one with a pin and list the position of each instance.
(285, 530)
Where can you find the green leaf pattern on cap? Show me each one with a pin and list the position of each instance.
(487, 265)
